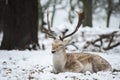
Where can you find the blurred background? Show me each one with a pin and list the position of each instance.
(98, 10)
(21, 20)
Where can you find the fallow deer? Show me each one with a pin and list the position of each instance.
(74, 62)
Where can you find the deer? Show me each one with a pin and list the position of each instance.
(74, 62)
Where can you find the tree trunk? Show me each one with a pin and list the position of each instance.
(54, 11)
(21, 23)
(87, 8)
(2, 5)
(41, 16)
(109, 12)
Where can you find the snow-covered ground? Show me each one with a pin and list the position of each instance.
(37, 65)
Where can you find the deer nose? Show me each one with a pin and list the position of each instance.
(53, 51)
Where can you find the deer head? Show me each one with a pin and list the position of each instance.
(59, 42)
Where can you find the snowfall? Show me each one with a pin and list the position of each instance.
(37, 64)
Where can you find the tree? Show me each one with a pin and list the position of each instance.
(21, 23)
(109, 11)
(2, 4)
(41, 11)
(112, 8)
(87, 8)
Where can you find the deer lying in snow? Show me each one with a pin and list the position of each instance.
(75, 62)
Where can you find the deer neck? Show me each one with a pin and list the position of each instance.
(59, 60)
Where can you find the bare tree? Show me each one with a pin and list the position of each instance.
(111, 7)
(87, 7)
(109, 11)
(43, 7)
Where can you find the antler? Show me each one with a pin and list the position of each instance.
(80, 19)
(49, 32)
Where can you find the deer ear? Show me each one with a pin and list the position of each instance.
(66, 42)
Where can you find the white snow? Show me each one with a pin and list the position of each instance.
(37, 65)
